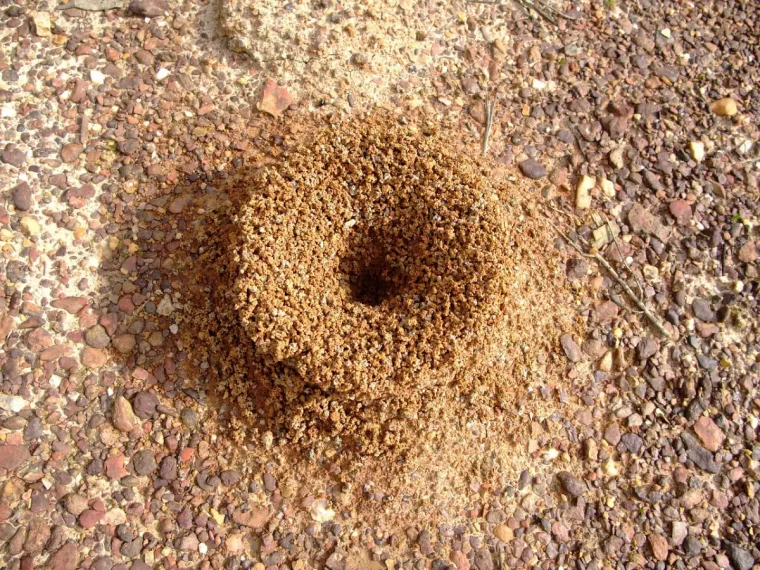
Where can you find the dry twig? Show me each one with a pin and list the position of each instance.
(620, 253)
(611, 270)
(489, 123)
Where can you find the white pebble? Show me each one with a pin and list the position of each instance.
(97, 77)
(162, 74)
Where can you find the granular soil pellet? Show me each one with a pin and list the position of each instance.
(371, 283)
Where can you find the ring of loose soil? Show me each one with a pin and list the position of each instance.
(370, 282)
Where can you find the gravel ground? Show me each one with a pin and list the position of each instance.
(635, 122)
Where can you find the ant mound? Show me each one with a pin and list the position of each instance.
(372, 262)
(369, 281)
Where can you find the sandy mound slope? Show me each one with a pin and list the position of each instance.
(370, 281)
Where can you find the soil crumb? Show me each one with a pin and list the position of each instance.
(373, 286)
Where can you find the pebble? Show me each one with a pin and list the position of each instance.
(144, 405)
(97, 337)
(275, 98)
(725, 107)
(42, 24)
(13, 456)
(144, 462)
(148, 8)
(571, 348)
(532, 169)
(13, 404)
(659, 546)
(22, 196)
(123, 417)
(703, 311)
(70, 152)
(571, 484)
(711, 435)
(740, 558)
(583, 192)
(29, 226)
(697, 150)
(189, 417)
(681, 211)
(13, 156)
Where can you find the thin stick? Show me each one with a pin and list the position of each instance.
(578, 140)
(603, 262)
(489, 123)
(620, 253)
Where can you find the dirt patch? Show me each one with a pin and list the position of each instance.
(373, 285)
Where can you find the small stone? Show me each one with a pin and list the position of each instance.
(681, 211)
(612, 434)
(22, 196)
(750, 251)
(12, 404)
(616, 157)
(725, 107)
(607, 186)
(168, 469)
(678, 533)
(647, 348)
(94, 358)
(144, 462)
(503, 533)
(124, 419)
(67, 558)
(189, 543)
(124, 343)
(71, 305)
(89, 518)
(97, 337)
(38, 533)
(97, 77)
(115, 467)
(583, 192)
(275, 98)
(711, 435)
(70, 152)
(165, 307)
(147, 8)
(659, 545)
(29, 226)
(701, 457)
(697, 150)
(642, 220)
(42, 24)
(144, 405)
(162, 74)
(256, 518)
(13, 456)
(532, 169)
(740, 558)
(13, 156)
(703, 311)
(571, 484)
(75, 504)
(189, 417)
(179, 204)
(571, 348)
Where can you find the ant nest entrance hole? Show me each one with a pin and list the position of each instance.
(372, 277)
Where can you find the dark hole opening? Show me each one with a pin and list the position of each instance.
(371, 285)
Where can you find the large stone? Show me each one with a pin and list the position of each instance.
(124, 419)
(66, 558)
(571, 484)
(148, 8)
(711, 435)
(13, 456)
